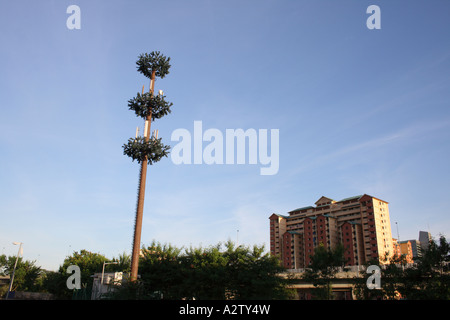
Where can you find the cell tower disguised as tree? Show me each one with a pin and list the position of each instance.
(147, 150)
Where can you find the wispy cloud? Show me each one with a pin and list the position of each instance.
(404, 135)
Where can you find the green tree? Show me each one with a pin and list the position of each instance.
(254, 273)
(123, 263)
(160, 275)
(429, 279)
(426, 280)
(88, 262)
(435, 259)
(325, 263)
(55, 283)
(206, 273)
(159, 267)
(27, 275)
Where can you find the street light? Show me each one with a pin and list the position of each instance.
(14, 270)
(103, 270)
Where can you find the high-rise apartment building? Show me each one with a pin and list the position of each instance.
(416, 250)
(424, 239)
(360, 223)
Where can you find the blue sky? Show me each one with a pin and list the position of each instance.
(358, 111)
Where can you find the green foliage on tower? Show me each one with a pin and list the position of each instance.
(149, 107)
(138, 148)
(146, 104)
(153, 61)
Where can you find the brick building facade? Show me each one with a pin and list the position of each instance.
(361, 224)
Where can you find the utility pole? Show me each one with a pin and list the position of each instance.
(145, 150)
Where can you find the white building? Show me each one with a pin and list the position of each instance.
(104, 283)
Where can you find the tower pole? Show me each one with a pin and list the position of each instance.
(141, 194)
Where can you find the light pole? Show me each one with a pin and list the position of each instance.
(103, 270)
(14, 270)
(98, 288)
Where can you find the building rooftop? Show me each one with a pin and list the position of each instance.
(323, 205)
(351, 198)
(300, 209)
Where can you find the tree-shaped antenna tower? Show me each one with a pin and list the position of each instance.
(146, 150)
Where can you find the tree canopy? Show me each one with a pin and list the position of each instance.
(26, 276)
(325, 263)
(216, 272)
(428, 279)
